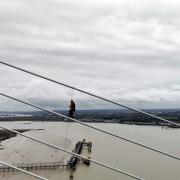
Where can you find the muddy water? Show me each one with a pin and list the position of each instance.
(136, 160)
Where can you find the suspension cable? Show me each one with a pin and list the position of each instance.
(72, 153)
(93, 127)
(23, 171)
(91, 94)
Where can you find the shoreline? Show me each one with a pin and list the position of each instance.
(28, 120)
(5, 134)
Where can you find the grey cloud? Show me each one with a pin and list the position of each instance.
(124, 50)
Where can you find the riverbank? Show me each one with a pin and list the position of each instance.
(131, 120)
(5, 134)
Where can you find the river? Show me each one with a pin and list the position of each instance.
(115, 152)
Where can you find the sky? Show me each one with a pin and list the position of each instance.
(124, 50)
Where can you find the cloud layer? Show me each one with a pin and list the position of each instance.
(124, 50)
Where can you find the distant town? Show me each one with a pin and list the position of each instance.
(99, 116)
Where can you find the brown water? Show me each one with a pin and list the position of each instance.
(125, 156)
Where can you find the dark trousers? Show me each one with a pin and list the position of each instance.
(71, 113)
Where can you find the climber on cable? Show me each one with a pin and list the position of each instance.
(72, 109)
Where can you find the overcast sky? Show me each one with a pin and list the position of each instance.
(125, 50)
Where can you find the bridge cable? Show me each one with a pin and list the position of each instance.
(23, 171)
(91, 94)
(93, 127)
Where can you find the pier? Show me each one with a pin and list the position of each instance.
(78, 149)
(74, 160)
(33, 166)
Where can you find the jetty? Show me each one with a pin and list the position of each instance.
(33, 166)
(79, 147)
(74, 160)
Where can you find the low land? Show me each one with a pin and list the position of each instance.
(5, 134)
(103, 116)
